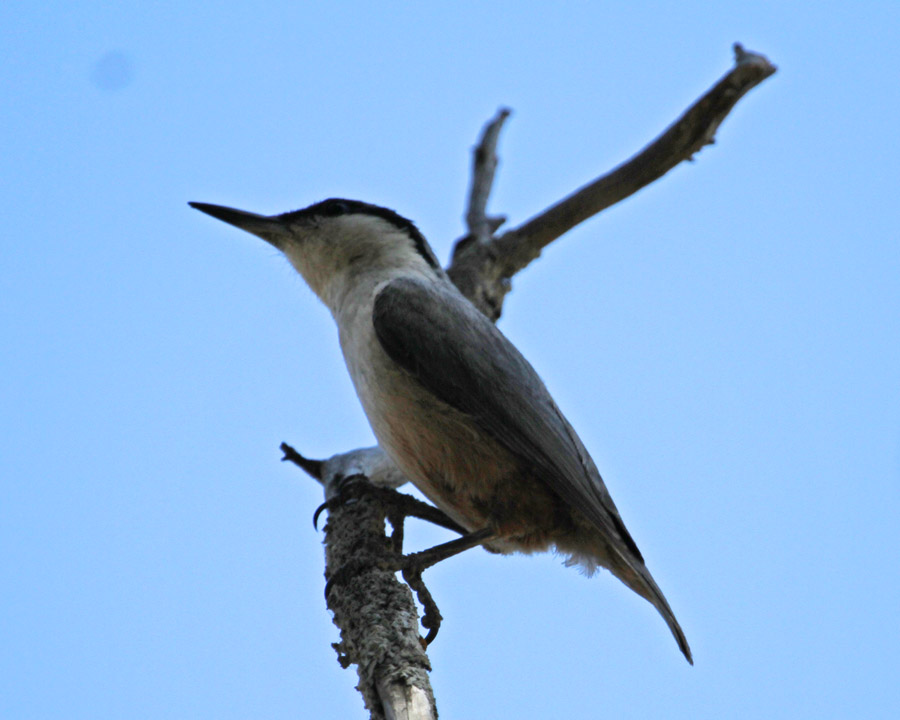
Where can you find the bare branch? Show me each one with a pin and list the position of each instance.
(482, 271)
(484, 164)
(685, 137)
(466, 276)
(313, 468)
(406, 702)
(375, 613)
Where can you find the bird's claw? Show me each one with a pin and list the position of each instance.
(411, 567)
(348, 488)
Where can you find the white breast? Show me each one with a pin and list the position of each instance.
(434, 445)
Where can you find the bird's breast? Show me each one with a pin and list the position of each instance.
(458, 465)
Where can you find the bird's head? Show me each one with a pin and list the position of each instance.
(334, 243)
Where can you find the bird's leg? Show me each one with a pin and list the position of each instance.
(424, 559)
(398, 507)
(414, 564)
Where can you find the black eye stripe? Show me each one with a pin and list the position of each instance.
(333, 208)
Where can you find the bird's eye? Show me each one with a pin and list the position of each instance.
(335, 208)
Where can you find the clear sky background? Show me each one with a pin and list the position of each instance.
(726, 342)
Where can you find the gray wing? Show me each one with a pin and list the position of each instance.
(461, 357)
(439, 337)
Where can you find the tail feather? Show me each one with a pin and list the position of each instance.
(635, 575)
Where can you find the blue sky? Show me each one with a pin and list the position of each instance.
(726, 342)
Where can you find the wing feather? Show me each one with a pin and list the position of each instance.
(463, 359)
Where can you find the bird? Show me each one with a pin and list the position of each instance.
(452, 402)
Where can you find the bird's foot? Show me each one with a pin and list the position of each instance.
(397, 506)
(349, 490)
(411, 567)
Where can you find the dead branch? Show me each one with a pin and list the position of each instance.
(484, 164)
(375, 613)
(482, 270)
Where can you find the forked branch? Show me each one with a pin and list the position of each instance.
(482, 270)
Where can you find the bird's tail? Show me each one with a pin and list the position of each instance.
(635, 575)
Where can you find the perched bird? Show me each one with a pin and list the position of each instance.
(452, 402)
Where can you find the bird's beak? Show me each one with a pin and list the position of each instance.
(270, 229)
